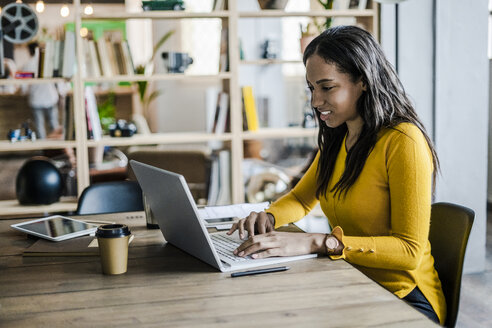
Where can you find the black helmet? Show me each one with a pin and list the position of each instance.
(38, 182)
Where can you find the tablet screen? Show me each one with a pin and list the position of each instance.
(56, 227)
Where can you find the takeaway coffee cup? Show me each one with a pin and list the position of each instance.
(113, 242)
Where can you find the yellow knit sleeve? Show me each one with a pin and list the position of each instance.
(299, 201)
(409, 166)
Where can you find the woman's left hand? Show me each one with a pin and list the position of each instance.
(278, 243)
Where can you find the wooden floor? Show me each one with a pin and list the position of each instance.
(476, 291)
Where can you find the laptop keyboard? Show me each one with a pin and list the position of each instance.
(225, 246)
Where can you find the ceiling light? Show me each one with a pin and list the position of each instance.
(64, 11)
(88, 10)
(84, 32)
(40, 6)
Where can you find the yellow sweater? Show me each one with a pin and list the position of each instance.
(385, 215)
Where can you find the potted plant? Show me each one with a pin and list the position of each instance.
(315, 27)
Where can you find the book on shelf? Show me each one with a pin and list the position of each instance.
(221, 113)
(224, 197)
(84, 63)
(118, 54)
(107, 70)
(224, 50)
(41, 62)
(57, 57)
(220, 179)
(69, 128)
(49, 55)
(108, 58)
(68, 58)
(95, 67)
(112, 57)
(250, 110)
(94, 129)
(213, 186)
(219, 5)
(127, 56)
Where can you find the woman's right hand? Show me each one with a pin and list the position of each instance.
(261, 222)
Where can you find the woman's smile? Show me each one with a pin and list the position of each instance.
(326, 115)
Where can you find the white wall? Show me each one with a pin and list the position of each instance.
(462, 113)
(461, 91)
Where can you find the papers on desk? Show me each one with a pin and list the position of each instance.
(226, 211)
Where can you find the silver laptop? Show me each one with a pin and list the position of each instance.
(175, 210)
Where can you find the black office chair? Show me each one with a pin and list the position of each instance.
(111, 197)
(449, 230)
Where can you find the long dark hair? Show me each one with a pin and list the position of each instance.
(384, 104)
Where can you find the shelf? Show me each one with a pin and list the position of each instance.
(157, 77)
(270, 62)
(7, 146)
(9, 208)
(274, 133)
(160, 138)
(230, 82)
(157, 15)
(33, 81)
(321, 13)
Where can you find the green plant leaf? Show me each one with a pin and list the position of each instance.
(160, 43)
(154, 94)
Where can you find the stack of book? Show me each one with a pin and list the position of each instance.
(57, 57)
(106, 58)
(101, 58)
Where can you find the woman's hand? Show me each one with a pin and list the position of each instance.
(277, 243)
(261, 222)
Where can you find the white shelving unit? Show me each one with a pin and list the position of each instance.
(235, 137)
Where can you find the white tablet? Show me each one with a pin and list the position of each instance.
(56, 228)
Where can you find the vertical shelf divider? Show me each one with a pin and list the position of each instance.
(237, 187)
(82, 151)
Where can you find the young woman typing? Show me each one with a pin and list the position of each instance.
(373, 175)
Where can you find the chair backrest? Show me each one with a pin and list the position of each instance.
(449, 230)
(111, 197)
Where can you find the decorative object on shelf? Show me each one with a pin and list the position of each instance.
(122, 129)
(269, 49)
(163, 5)
(107, 111)
(38, 182)
(18, 24)
(308, 33)
(176, 62)
(267, 186)
(272, 4)
(358, 4)
(17, 135)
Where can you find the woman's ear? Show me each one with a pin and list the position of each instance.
(364, 84)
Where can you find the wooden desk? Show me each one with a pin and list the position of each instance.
(165, 287)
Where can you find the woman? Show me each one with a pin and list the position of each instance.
(373, 175)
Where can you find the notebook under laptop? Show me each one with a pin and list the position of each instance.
(177, 215)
